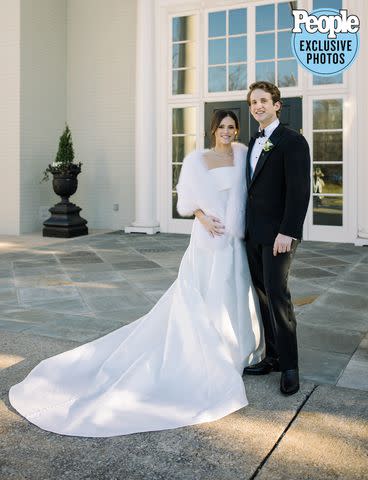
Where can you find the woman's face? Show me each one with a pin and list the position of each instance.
(225, 132)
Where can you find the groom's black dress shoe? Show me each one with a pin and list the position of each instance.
(267, 365)
(289, 383)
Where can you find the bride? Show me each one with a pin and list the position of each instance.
(181, 363)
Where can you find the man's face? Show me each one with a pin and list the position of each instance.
(262, 108)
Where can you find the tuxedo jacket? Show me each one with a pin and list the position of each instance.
(278, 192)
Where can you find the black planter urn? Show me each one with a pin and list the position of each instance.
(65, 221)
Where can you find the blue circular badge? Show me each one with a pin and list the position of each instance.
(320, 54)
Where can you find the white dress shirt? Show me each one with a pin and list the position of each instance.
(259, 144)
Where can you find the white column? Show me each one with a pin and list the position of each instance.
(362, 108)
(145, 121)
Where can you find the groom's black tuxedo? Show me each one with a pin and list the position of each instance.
(278, 196)
(278, 192)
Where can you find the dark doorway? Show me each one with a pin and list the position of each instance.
(291, 116)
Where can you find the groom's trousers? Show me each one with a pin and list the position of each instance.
(270, 276)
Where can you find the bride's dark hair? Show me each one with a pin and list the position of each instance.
(217, 117)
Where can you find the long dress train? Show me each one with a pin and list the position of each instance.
(180, 364)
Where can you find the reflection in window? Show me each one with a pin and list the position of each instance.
(183, 55)
(184, 120)
(183, 142)
(237, 21)
(237, 49)
(287, 73)
(274, 58)
(265, 18)
(265, 71)
(327, 177)
(265, 46)
(334, 142)
(176, 173)
(217, 24)
(237, 77)
(227, 50)
(181, 146)
(327, 210)
(217, 52)
(183, 29)
(284, 15)
(327, 114)
(217, 79)
(284, 45)
(183, 81)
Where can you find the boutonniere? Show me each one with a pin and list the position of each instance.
(267, 146)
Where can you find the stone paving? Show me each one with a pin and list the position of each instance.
(56, 294)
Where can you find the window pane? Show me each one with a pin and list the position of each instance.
(238, 49)
(265, 71)
(327, 178)
(175, 174)
(336, 4)
(183, 55)
(284, 15)
(217, 79)
(327, 114)
(183, 82)
(181, 146)
(322, 80)
(183, 28)
(284, 45)
(265, 18)
(237, 77)
(265, 46)
(217, 24)
(287, 73)
(327, 210)
(174, 203)
(237, 21)
(216, 51)
(327, 146)
(184, 120)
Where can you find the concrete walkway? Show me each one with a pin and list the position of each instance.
(56, 294)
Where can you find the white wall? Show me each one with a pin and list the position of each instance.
(9, 115)
(100, 106)
(43, 102)
(362, 112)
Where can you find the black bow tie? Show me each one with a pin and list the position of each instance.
(260, 133)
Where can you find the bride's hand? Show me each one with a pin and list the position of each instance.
(213, 225)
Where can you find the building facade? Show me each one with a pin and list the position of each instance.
(137, 82)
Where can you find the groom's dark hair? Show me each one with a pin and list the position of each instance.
(267, 87)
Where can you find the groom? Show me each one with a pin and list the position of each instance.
(278, 182)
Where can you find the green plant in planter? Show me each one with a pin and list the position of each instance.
(63, 163)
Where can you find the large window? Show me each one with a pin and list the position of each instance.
(333, 79)
(183, 55)
(327, 162)
(274, 58)
(227, 50)
(183, 142)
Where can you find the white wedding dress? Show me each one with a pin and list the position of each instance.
(180, 364)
